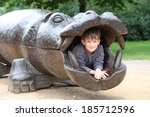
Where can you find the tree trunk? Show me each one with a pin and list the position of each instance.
(82, 5)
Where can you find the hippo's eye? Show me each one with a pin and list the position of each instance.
(57, 19)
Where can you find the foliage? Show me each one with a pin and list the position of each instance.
(56, 4)
(42, 4)
(71, 7)
(134, 13)
(137, 20)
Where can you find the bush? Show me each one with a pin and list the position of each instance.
(137, 21)
(136, 17)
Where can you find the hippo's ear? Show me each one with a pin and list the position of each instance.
(47, 17)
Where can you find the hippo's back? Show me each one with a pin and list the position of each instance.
(15, 24)
(14, 27)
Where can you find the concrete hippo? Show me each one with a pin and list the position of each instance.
(36, 45)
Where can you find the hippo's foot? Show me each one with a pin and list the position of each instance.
(25, 78)
(4, 70)
(38, 81)
(21, 86)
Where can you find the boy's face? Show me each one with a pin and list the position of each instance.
(90, 44)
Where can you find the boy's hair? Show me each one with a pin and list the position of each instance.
(94, 33)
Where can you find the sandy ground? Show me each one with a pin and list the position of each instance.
(135, 86)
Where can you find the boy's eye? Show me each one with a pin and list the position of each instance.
(88, 41)
(95, 41)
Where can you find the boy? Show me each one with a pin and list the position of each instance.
(90, 54)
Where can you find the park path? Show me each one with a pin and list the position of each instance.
(135, 86)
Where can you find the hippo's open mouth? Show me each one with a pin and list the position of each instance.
(110, 27)
(109, 24)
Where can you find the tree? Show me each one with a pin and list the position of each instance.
(2, 2)
(137, 20)
(54, 4)
(120, 4)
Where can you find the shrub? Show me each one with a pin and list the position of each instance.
(137, 20)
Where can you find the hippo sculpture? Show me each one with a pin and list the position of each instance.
(35, 49)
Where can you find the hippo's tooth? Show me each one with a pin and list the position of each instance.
(73, 60)
(66, 42)
(121, 42)
(118, 59)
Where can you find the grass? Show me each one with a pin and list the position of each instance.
(134, 50)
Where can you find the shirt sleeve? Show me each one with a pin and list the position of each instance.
(99, 61)
(78, 51)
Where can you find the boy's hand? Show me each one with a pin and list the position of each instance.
(100, 74)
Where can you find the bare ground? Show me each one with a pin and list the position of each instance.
(135, 86)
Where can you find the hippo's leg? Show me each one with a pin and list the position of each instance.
(24, 77)
(4, 67)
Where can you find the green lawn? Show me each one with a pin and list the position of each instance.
(134, 50)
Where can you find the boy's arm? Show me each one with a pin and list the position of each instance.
(78, 51)
(81, 61)
(98, 63)
(92, 72)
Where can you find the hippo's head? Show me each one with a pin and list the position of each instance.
(66, 33)
(110, 26)
(66, 30)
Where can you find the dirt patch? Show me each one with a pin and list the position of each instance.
(136, 85)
